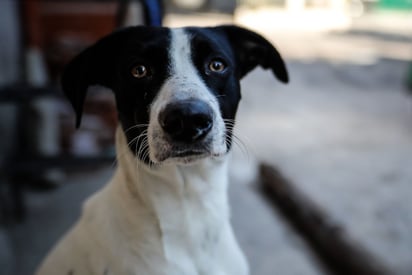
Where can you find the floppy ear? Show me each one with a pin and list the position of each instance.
(93, 66)
(252, 50)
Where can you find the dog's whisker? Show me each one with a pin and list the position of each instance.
(242, 147)
(145, 154)
(143, 148)
(229, 121)
(137, 138)
(229, 124)
(235, 140)
(135, 126)
(141, 152)
(129, 144)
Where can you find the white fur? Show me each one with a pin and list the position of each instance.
(168, 219)
(171, 219)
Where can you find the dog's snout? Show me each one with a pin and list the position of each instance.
(187, 121)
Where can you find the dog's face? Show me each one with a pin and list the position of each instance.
(176, 90)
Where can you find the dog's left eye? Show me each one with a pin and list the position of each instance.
(217, 66)
(139, 71)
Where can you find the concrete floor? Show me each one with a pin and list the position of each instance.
(341, 131)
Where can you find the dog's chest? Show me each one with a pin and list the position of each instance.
(192, 239)
(192, 217)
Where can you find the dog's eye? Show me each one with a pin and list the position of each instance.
(217, 66)
(139, 71)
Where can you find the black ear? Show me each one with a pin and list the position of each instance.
(252, 50)
(93, 66)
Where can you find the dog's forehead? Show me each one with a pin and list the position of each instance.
(180, 50)
(180, 42)
(189, 43)
(168, 46)
(183, 78)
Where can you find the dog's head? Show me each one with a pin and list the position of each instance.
(176, 90)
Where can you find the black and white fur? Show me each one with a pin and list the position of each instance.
(165, 211)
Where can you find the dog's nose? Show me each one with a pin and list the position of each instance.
(187, 121)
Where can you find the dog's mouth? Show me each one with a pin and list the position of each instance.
(189, 153)
(188, 157)
(184, 155)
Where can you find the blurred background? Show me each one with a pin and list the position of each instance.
(341, 131)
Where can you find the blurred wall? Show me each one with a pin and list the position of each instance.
(9, 73)
(9, 69)
(10, 45)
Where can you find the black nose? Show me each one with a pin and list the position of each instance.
(187, 121)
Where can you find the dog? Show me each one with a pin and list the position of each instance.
(165, 210)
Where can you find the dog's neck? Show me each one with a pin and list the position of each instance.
(182, 206)
(161, 188)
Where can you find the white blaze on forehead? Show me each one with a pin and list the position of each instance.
(180, 52)
(185, 81)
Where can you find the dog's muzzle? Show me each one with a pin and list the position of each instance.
(186, 130)
(187, 121)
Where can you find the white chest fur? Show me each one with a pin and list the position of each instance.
(170, 220)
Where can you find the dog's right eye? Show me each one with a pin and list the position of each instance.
(139, 71)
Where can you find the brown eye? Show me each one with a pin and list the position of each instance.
(139, 71)
(217, 66)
